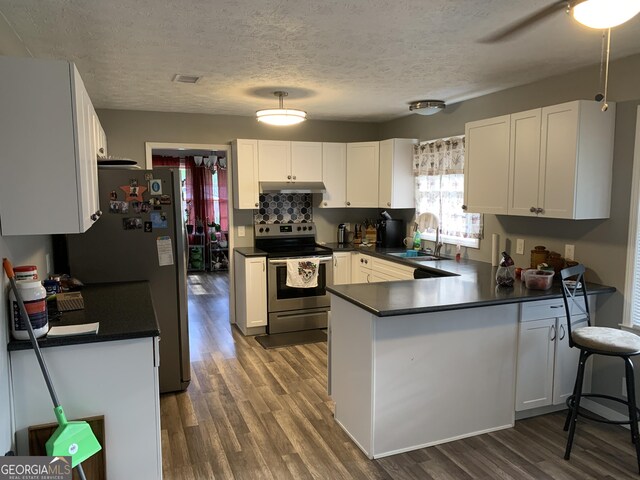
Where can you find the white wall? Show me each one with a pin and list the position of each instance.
(20, 251)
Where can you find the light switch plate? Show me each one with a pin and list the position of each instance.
(241, 232)
(569, 252)
(520, 246)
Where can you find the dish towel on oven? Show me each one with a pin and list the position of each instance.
(302, 272)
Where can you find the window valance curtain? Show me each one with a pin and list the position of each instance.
(438, 166)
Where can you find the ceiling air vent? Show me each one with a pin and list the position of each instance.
(185, 78)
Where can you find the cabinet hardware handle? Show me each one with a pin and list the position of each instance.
(362, 260)
(464, 207)
(388, 204)
(94, 217)
(532, 209)
(366, 261)
(335, 262)
(294, 177)
(562, 333)
(325, 204)
(263, 266)
(289, 177)
(553, 329)
(101, 150)
(348, 203)
(557, 306)
(256, 204)
(539, 210)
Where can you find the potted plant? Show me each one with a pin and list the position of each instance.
(187, 217)
(199, 226)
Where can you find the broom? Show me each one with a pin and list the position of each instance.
(74, 439)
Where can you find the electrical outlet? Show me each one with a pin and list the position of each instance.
(624, 386)
(520, 246)
(241, 232)
(569, 252)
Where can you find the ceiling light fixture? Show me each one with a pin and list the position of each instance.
(281, 116)
(605, 13)
(427, 107)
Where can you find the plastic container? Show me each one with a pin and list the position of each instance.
(538, 279)
(35, 300)
(26, 272)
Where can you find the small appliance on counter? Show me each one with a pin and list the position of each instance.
(390, 233)
(342, 234)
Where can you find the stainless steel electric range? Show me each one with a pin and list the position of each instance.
(292, 309)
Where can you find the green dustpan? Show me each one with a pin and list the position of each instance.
(74, 439)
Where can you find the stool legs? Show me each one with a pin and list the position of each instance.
(573, 411)
(633, 412)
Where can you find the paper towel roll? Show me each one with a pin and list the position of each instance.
(495, 249)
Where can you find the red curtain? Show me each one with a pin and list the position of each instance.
(199, 190)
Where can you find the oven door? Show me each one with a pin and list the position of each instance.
(283, 298)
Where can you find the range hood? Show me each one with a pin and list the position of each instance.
(292, 187)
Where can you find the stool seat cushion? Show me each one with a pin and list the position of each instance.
(606, 339)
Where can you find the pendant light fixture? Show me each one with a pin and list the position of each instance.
(427, 107)
(281, 116)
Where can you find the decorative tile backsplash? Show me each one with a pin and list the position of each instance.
(284, 208)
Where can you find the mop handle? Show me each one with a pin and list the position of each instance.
(8, 268)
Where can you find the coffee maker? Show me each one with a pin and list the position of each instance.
(342, 234)
(390, 233)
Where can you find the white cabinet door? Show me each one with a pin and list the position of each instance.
(566, 364)
(251, 292)
(558, 160)
(256, 292)
(274, 161)
(46, 138)
(524, 182)
(334, 175)
(486, 166)
(360, 268)
(534, 383)
(396, 185)
(341, 268)
(306, 161)
(244, 154)
(362, 174)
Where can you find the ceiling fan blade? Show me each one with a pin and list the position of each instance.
(526, 22)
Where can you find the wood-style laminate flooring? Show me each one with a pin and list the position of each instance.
(251, 413)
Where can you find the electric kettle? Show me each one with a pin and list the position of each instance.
(342, 233)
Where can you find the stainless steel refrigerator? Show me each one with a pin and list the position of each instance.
(140, 236)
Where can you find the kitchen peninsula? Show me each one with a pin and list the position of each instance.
(423, 362)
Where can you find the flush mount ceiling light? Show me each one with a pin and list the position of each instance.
(427, 107)
(605, 13)
(281, 116)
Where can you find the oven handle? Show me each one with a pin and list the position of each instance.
(283, 262)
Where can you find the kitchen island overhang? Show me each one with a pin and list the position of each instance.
(419, 363)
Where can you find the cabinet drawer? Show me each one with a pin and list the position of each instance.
(544, 309)
(394, 269)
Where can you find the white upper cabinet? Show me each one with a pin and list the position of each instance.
(48, 171)
(334, 175)
(363, 161)
(274, 161)
(306, 161)
(396, 181)
(486, 165)
(244, 154)
(282, 161)
(559, 162)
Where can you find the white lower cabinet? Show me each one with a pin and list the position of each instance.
(547, 366)
(341, 268)
(369, 269)
(251, 292)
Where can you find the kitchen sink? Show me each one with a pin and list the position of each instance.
(420, 256)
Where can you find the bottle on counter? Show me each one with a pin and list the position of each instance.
(34, 296)
(416, 240)
(505, 275)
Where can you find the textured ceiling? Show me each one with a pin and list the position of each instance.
(339, 59)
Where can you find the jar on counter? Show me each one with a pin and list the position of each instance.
(555, 260)
(34, 297)
(539, 255)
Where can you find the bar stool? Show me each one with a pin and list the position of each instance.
(596, 341)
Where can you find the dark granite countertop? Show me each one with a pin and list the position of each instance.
(471, 285)
(250, 252)
(124, 310)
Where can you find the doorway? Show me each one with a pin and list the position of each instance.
(206, 193)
